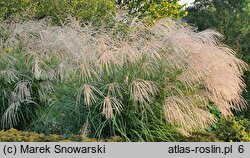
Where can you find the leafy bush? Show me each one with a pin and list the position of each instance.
(235, 129)
(58, 10)
(13, 135)
(154, 9)
(141, 85)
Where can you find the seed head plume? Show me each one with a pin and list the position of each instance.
(111, 104)
(142, 91)
(89, 94)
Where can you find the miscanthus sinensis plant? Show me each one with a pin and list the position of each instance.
(139, 82)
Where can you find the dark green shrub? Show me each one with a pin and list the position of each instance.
(234, 129)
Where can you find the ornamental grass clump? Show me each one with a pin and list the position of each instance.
(140, 84)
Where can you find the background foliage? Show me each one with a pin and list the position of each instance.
(94, 11)
(154, 9)
(230, 17)
(58, 11)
